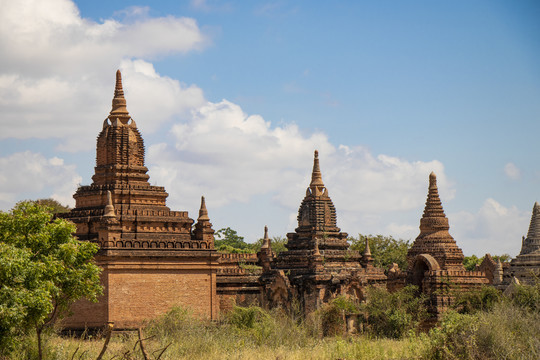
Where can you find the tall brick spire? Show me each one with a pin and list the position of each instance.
(119, 110)
(434, 218)
(434, 238)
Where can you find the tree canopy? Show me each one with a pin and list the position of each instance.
(470, 262)
(228, 240)
(53, 205)
(43, 269)
(384, 249)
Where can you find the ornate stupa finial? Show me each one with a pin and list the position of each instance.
(109, 208)
(203, 213)
(316, 185)
(119, 110)
(266, 239)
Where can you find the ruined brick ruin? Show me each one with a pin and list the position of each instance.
(151, 258)
(318, 264)
(435, 262)
(154, 259)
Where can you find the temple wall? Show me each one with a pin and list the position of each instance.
(140, 289)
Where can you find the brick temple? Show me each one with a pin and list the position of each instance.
(152, 258)
(318, 264)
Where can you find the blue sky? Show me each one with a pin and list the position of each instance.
(233, 97)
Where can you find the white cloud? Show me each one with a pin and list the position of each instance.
(57, 69)
(229, 156)
(512, 171)
(494, 228)
(29, 175)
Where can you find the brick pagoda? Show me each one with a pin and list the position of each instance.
(151, 257)
(318, 264)
(526, 266)
(435, 262)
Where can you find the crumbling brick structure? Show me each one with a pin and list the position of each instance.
(238, 281)
(318, 264)
(152, 258)
(435, 262)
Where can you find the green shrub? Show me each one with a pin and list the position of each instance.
(394, 314)
(527, 296)
(506, 332)
(247, 317)
(479, 299)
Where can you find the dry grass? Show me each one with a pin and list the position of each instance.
(249, 334)
(121, 346)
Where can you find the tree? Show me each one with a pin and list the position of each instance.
(277, 243)
(54, 206)
(43, 270)
(384, 249)
(228, 240)
(470, 262)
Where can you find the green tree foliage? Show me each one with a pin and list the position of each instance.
(277, 243)
(384, 249)
(228, 240)
(470, 262)
(473, 300)
(43, 269)
(54, 206)
(393, 314)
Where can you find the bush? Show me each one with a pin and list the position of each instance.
(527, 296)
(473, 300)
(247, 317)
(506, 332)
(394, 314)
(331, 315)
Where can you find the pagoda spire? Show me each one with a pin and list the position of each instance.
(316, 185)
(366, 256)
(266, 239)
(203, 212)
(434, 218)
(119, 110)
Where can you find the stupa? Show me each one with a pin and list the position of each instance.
(318, 264)
(435, 262)
(526, 266)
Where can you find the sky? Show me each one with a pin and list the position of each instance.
(232, 98)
